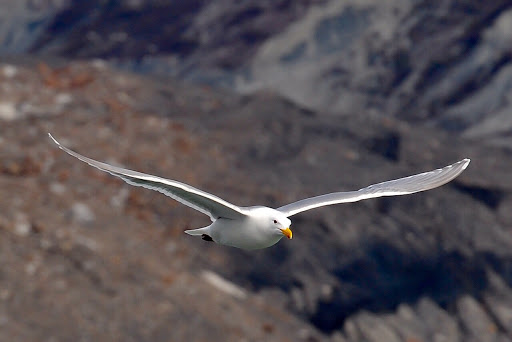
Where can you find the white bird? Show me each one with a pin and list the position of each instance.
(260, 227)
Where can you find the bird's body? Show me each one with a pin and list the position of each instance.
(255, 231)
(261, 227)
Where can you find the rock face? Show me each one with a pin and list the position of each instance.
(337, 95)
(443, 63)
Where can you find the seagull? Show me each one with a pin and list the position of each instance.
(259, 227)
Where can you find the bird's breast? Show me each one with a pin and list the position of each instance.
(245, 234)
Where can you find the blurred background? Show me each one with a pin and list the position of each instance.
(260, 102)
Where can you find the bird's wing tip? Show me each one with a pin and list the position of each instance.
(54, 140)
(465, 163)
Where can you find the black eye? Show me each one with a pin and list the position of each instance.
(275, 221)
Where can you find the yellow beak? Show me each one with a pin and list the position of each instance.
(287, 232)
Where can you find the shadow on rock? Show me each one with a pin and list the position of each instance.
(387, 277)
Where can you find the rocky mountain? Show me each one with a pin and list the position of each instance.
(261, 103)
(442, 63)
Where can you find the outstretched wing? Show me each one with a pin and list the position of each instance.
(202, 201)
(403, 186)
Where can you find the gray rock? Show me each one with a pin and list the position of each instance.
(82, 214)
(475, 320)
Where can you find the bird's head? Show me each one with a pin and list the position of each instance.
(273, 221)
(282, 225)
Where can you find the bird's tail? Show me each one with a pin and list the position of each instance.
(198, 231)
